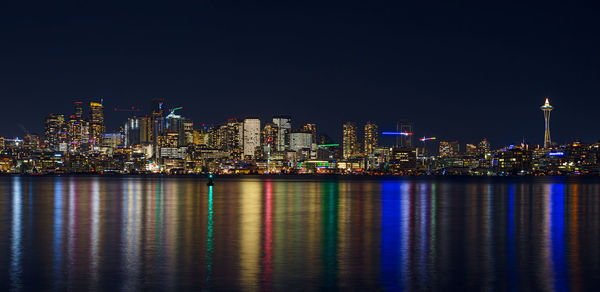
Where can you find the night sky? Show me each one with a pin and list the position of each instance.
(458, 72)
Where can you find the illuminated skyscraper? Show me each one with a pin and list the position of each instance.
(269, 136)
(96, 122)
(251, 135)
(78, 105)
(547, 108)
(284, 123)
(350, 142)
(371, 138)
(52, 132)
(137, 130)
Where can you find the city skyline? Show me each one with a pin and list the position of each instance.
(122, 113)
(403, 125)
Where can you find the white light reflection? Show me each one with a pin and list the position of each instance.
(16, 232)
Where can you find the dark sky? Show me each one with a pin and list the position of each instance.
(464, 71)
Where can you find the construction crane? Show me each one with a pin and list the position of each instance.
(130, 109)
(397, 133)
(172, 113)
(425, 139)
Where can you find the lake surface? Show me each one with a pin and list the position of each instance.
(260, 233)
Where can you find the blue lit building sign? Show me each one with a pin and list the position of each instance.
(559, 153)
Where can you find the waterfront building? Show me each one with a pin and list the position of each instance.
(403, 159)
(513, 160)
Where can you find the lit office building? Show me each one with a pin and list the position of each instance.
(233, 135)
(284, 124)
(188, 132)
(403, 159)
(78, 105)
(470, 149)
(371, 138)
(350, 142)
(137, 131)
(75, 129)
(269, 136)
(310, 128)
(300, 140)
(96, 122)
(52, 131)
(449, 148)
(251, 135)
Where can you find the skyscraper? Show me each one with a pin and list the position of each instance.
(251, 135)
(137, 130)
(52, 131)
(350, 143)
(269, 135)
(96, 122)
(284, 124)
(547, 108)
(78, 105)
(371, 138)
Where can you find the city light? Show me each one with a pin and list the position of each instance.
(397, 133)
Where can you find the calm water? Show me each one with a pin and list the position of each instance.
(256, 233)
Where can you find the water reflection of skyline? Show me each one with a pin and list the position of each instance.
(132, 233)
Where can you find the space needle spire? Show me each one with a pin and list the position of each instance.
(547, 108)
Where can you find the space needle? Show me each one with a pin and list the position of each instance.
(547, 108)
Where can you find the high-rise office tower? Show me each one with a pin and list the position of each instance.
(75, 133)
(284, 123)
(137, 130)
(371, 138)
(96, 122)
(547, 108)
(251, 135)
(350, 142)
(269, 136)
(78, 105)
(52, 131)
(232, 135)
